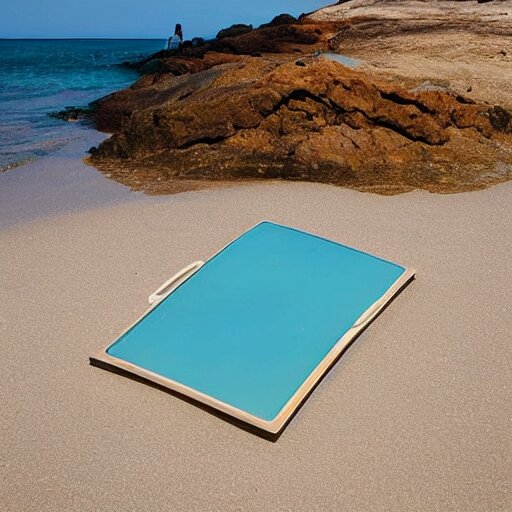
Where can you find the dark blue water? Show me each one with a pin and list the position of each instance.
(42, 76)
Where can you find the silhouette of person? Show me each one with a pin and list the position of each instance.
(174, 42)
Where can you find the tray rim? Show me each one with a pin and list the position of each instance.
(278, 423)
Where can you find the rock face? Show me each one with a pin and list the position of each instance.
(240, 117)
(460, 45)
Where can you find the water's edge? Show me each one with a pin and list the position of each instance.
(40, 77)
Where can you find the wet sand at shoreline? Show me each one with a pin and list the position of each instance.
(58, 183)
(415, 416)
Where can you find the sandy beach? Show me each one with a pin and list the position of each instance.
(415, 416)
(417, 413)
(58, 184)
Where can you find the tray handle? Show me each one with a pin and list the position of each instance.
(165, 289)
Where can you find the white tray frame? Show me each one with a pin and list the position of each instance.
(276, 425)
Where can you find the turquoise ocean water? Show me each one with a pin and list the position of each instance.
(42, 76)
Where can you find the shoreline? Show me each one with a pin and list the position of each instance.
(58, 184)
(469, 163)
(46, 76)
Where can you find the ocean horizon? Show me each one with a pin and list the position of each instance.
(41, 76)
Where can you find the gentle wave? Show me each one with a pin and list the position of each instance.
(38, 77)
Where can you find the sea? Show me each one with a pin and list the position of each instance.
(38, 77)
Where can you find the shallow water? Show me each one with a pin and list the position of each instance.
(342, 59)
(58, 184)
(42, 76)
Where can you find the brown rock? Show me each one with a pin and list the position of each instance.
(234, 30)
(260, 117)
(281, 19)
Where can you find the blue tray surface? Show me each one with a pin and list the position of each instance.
(252, 324)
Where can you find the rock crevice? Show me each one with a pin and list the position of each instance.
(238, 116)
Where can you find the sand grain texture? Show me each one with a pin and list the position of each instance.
(415, 416)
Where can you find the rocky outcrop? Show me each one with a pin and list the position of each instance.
(178, 65)
(254, 117)
(463, 46)
(234, 31)
(281, 19)
(277, 37)
(264, 104)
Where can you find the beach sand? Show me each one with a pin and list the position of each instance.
(59, 183)
(415, 416)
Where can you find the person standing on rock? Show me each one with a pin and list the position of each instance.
(175, 41)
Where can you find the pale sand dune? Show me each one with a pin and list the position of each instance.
(415, 416)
